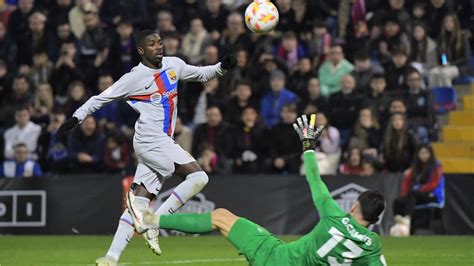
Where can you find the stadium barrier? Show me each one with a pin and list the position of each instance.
(92, 204)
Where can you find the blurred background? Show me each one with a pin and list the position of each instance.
(392, 79)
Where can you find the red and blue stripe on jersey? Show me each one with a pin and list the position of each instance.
(165, 89)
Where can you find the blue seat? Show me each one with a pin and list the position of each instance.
(444, 99)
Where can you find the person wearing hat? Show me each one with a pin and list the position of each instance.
(273, 102)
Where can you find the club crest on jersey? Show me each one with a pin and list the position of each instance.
(155, 98)
(172, 75)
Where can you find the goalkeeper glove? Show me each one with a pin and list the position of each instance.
(229, 62)
(307, 133)
(67, 125)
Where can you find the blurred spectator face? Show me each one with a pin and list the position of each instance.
(366, 118)
(270, 65)
(37, 22)
(196, 26)
(249, 116)
(319, 31)
(336, 54)
(398, 107)
(45, 92)
(242, 58)
(310, 109)
(63, 31)
(57, 120)
(289, 114)
(78, 92)
(235, 23)
(321, 119)
(2, 30)
(63, 3)
(449, 24)
(289, 43)
(378, 85)
(414, 81)
(213, 5)
(313, 88)
(419, 33)
(355, 157)
(399, 60)
(348, 84)
(214, 116)
(170, 44)
(398, 121)
(124, 30)
(304, 65)
(284, 4)
(165, 21)
(391, 29)
(277, 84)
(25, 5)
(419, 10)
(21, 153)
(211, 55)
(112, 143)
(362, 64)
(438, 3)
(368, 169)
(22, 117)
(69, 49)
(89, 126)
(424, 155)
(211, 86)
(105, 82)
(244, 92)
(397, 4)
(3, 69)
(91, 20)
(298, 5)
(40, 59)
(21, 86)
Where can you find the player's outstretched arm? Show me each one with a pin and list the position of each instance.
(205, 73)
(322, 198)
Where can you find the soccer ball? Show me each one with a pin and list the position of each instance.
(261, 16)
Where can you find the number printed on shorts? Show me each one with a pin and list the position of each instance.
(336, 238)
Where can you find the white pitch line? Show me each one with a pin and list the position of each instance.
(182, 261)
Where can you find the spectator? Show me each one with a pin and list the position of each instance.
(42, 68)
(344, 107)
(286, 20)
(369, 167)
(35, 39)
(453, 53)
(313, 97)
(77, 96)
(195, 41)
(239, 102)
(367, 134)
(419, 106)
(377, 98)
(284, 148)
(249, 148)
(86, 147)
(396, 10)
(328, 151)
(214, 18)
(43, 105)
(333, 70)
(363, 71)
(353, 163)
(52, 151)
(62, 35)
(304, 14)
(117, 154)
(353, 28)
(8, 48)
(59, 13)
(20, 166)
(66, 70)
(6, 81)
(107, 117)
(290, 50)
(396, 72)
(437, 10)
(183, 135)
(300, 77)
(22, 96)
(419, 13)
(112, 12)
(319, 44)
(165, 24)
(171, 45)
(234, 37)
(398, 144)
(393, 39)
(18, 21)
(211, 56)
(273, 102)
(422, 187)
(24, 131)
(212, 162)
(423, 50)
(123, 53)
(210, 96)
(236, 75)
(215, 135)
(76, 16)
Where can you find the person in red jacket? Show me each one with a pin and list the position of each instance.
(422, 187)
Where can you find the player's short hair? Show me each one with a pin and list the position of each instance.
(141, 36)
(372, 205)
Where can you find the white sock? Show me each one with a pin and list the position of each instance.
(141, 202)
(194, 183)
(122, 236)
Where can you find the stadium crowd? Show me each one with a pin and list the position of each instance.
(365, 67)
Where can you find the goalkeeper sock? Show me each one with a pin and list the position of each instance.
(187, 222)
(122, 236)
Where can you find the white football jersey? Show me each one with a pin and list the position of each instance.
(153, 93)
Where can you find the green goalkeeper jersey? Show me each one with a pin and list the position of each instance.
(337, 239)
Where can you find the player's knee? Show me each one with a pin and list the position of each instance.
(199, 179)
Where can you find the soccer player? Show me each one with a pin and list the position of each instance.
(338, 239)
(151, 90)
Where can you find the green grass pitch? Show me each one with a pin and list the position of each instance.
(210, 251)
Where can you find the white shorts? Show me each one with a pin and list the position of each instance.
(158, 164)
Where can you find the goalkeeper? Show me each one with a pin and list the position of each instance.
(339, 238)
